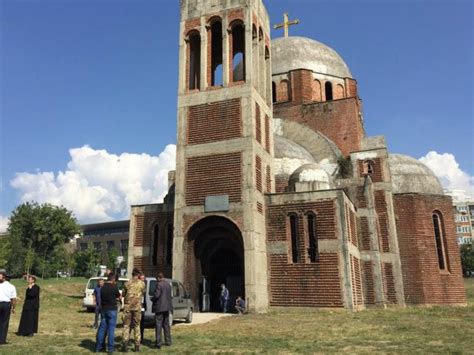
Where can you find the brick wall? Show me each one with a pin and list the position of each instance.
(351, 226)
(382, 215)
(281, 183)
(423, 280)
(364, 233)
(213, 175)
(301, 86)
(258, 124)
(214, 122)
(258, 173)
(268, 181)
(356, 278)
(338, 120)
(377, 174)
(267, 134)
(369, 282)
(389, 283)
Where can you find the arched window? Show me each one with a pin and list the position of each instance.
(274, 92)
(238, 52)
(328, 90)
(156, 238)
(295, 252)
(169, 245)
(284, 91)
(313, 251)
(194, 66)
(368, 167)
(440, 240)
(216, 53)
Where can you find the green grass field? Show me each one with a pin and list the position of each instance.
(65, 328)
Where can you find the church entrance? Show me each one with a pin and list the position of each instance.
(218, 259)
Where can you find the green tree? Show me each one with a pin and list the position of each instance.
(29, 259)
(467, 258)
(86, 262)
(4, 251)
(45, 228)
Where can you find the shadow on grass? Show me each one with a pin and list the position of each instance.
(77, 297)
(88, 344)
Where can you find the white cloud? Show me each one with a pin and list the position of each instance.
(99, 186)
(450, 174)
(3, 224)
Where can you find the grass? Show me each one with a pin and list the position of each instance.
(65, 328)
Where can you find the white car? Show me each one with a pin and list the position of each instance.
(88, 301)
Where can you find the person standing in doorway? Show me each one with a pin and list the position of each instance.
(133, 292)
(162, 306)
(224, 298)
(109, 294)
(96, 298)
(29, 314)
(7, 305)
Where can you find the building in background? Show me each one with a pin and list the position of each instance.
(105, 237)
(464, 221)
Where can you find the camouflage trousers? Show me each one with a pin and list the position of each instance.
(131, 322)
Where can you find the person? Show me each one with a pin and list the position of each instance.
(240, 305)
(162, 305)
(224, 298)
(7, 305)
(96, 298)
(133, 293)
(109, 294)
(29, 314)
(142, 319)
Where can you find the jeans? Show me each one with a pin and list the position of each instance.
(108, 321)
(224, 302)
(97, 316)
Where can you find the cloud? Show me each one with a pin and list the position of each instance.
(100, 186)
(451, 176)
(3, 224)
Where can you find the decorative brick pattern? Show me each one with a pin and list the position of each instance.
(214, 122)
(356, 277)
(139, 221)
(258, 124)
(258, 173)
(364, 233)
(382, 213)
(351, 226)
(260, 207)
(267, 134)
(369, 282)
(213, 175)
(389, 284)
(268, 177)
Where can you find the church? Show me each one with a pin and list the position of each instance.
(278, 192)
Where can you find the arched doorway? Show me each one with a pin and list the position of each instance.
(215, 256)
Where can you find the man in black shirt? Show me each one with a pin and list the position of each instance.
(109, 294)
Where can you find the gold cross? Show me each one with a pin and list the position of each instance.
(286, 23)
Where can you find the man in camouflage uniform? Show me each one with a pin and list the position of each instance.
(132, 293)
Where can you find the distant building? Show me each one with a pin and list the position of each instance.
(105, 237)
(464, 221)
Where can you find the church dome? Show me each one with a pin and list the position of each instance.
(289, 155)
(310, 177)
(412, 176)
(291, 53)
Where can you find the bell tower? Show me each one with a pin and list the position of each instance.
(224, 149)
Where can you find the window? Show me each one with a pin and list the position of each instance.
(328, 90)
(238, 52)
(440, 241)
(110, 244)
(169, 245)
(97, 246)
(216, 53)
(156, 239)
(368, 167)
(274, 93)
(194, 68)
(313, 239)
(294, 238)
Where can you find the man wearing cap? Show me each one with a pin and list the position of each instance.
(7, 305)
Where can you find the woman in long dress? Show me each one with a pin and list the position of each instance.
(29, 315)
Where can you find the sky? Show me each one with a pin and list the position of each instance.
(88, 92)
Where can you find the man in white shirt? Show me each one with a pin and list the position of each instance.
(7, 305)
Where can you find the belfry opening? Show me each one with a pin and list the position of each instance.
(215, 257)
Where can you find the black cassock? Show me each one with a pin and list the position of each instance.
(29, 314)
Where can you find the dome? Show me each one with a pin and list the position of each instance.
(309, 177)
(291, 53)
(289, 155)
(412, 176)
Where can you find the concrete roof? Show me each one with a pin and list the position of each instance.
(412, 176)
(291, 53)
(310, 172)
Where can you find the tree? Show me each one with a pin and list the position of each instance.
(43, 228)
(86, 262)
(467, 258)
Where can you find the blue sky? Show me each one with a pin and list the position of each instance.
(103, 73)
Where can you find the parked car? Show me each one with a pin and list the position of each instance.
(88, 301)
(183, 306)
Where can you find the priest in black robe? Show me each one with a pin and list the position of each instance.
(29, 315)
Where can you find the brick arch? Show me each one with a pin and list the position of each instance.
(338, 92)
(283, 91)
(317, 91)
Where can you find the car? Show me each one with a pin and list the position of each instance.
(183, 306)
(88, 301)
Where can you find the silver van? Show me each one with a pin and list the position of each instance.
(183, 306)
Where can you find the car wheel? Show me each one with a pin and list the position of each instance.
(189, 317)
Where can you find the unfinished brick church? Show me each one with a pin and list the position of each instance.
(278, 192)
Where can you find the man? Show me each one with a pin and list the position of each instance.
(109, 294)
(224, 298)
(240, 305)
(7, 305)
(142, 319)
(162, 305)
(96, 299)
(133, 292)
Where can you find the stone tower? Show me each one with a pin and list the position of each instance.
(224, 151)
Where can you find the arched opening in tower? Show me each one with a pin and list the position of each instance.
(194, 60)
(238, 52)
(216, 53)
(328, 90)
